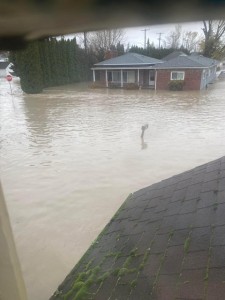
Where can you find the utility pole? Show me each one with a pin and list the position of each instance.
(86, 55)
(159, 38)
(145, 30)
(85, 42)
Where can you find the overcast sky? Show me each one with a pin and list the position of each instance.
(135, 36)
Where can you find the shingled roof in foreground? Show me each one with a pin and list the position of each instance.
(166, 242)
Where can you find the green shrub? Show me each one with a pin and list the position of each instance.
(176, 85)
(131, 86)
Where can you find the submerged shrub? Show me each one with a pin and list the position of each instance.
(131, 86)
(176, 85)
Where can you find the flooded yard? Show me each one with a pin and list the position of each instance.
(71, 155)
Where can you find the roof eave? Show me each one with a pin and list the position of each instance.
(124, 68)
(128, 64)
(167, 68)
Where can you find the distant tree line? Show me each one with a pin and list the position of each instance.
(50, 62)
(156, 52)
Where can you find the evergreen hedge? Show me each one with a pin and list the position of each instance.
(50, 62)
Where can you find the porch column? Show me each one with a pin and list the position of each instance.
(155, 79)
(106, 78)
(93, 75)
(121, 79)
(11, 280)
(138, 77)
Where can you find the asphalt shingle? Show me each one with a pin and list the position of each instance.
(188, 61)
(172, 55)
(129, 59)
(165, 242)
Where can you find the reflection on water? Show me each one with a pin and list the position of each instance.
(144, 145)
(70, 156)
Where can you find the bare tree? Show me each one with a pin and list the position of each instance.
(191, 40)
(177, 38)
(214, 33)
(173, 40)
(105, 40)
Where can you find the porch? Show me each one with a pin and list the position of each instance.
(124, 78)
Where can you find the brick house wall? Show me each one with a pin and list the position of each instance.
(192, 79)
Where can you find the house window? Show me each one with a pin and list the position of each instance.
(116, 76)
(177, 75)
(125, 76)
(128, 76)
(131, 76)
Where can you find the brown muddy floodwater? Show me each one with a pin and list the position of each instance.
(71, 155)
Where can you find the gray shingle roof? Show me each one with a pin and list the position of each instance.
(167, 241)
(184, 61)
(172, 55)
(205, 61)
(129, 59)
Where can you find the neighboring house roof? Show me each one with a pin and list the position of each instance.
(128, 59)
(3, 64)
(172, 55)
(182, 61)
(165, 242)
(205, 61)
(187, 61)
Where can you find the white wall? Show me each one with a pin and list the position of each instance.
(11, 281)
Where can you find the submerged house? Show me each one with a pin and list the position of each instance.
(125, 70)
(194, 72)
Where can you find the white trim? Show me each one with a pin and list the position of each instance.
(155, 80)
(147, 68)
(184, 68)
(138, 77)
(183, 73)
(124, 68)
(121, 78)
(93, 75)
(133, 64)
(106, 78)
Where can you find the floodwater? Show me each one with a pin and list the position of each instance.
(71, 155)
